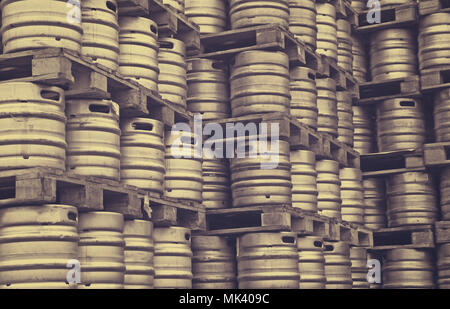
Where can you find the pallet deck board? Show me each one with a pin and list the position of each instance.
(420, 236)
(133, 7)
(435, 79)
(392, 162)
(427, 7)
(442, 232)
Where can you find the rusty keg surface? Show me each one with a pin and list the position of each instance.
(248, 13)
(345, 117)
(142, 150)
(445, 193)
(100, 39)
(304, 180)
(364, 140)
(441, 113)
(178, 5)
(327, 121)
(101, 250)
(268, 261)
(434, 33)
(34, 24)
(302, 21)
(183, 178)
(172, 82)
(138, 43)
(345, 49)
(359, 63)
(173, 257)
(329, 188)
(408, 269)
(32, 126)
(254, 184)
(207, 88)
(303, 92)
(216, 182)
(392, 54)
(338, 271)
(352, 195)
(210, 16)
(139, 251)
(411, 199)
(259, 83)
(36, 243)
(93, 138)
(400, 124)
(311, 262)
(213, 263)
(358, 258)
(327, 41)
(443, 266)
(375, 203)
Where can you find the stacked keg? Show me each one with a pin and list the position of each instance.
(443, 266)
(311, 262)
(248, 13)
(100, 39)
(352, 196)
(302, 21)
(304, 95)
(210, 16)
(345, 49)
(338, 271)
(358, 258)
(375, 203)
(364, 140)
(304, 180)
(25, 22)
(359, 63)
(329, 188)
(216, 181)
(345, 117)
(327, 120)
(327, 41)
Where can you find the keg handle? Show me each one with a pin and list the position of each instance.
(288, 239)
(329, 248)
(154, 29)
(142, 126)
(111, 6)
(99, 108)
(311, 76)
(318, 244)
(407, 103)
(166, 45)
(50, 94)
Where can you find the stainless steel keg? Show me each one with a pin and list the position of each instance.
(327, 41)
(311, 262)
(302, 21)
(327, 121)
(364, 140)
(375, 203)
(358, 258)
(338, 271)
(248, 13)
(304, 95)
(345, 117)
(304, 180)
(210, 16)
(329, 188)
(352, 195)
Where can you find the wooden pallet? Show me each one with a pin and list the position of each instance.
(358, 236)
(133, 7)
(427, 7)
(392, 162)
(42, 185)
(343, 10)
(442, 232)
(300, 136)
(421, 236)
(391, 17)
(437, 154)
(435, 79)
(372, 92)
(82, 79)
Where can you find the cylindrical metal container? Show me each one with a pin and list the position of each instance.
(327, 41)
(101, 250)
(178, 5)
(259, 83)
(32, 126)
(183, 178)
(36, 245)
(442, 115)
(100, 39)
(327, 121)
(364, 130)
(216, 182)
(358, 258)
(207, 92)
(408, 269)
(359, 63)
(329, 188)
(443, 266)
(400, 124)
(311, 262)
(345, 50)
(302, 21)
(304, 95)
(254, 184)
(338, 271)
(375, 203)
(345, 117)
(32, 24)
(445, 192)
(434, 32)
(139, 250)
(173, 257)
(352, 195)
(93, 138)
(142, 152)
(411, 199)
(210, 16)
(268, 261)
(213, 263)
(172, 84)
(138, 43)
(393, 54)
(304, 180)
(248, 13)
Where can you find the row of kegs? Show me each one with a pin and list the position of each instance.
(129, 45)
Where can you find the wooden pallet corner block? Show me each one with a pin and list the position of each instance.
(442, 231)
(434, 79)
(427, 7)
(421, 236)
(437, 154)
(310, 225)
(392, 16)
